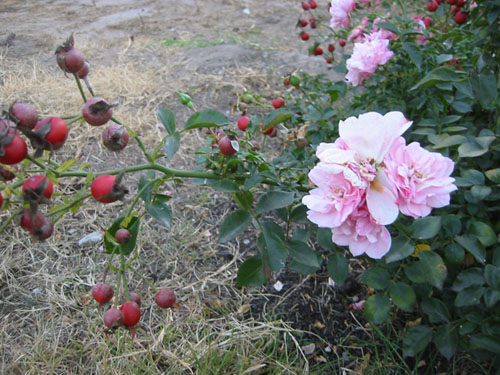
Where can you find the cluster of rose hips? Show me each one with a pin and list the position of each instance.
(129, 313)
(316, 50)
(456, 8)
(50, 134)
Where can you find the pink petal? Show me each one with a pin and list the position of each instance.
(381, 200)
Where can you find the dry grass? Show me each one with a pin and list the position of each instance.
(48, 322)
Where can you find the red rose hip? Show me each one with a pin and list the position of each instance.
(97, 111)
(131, 313)
(102, 293)
(278, 102)
(113, 317)
(165, 298)
(243, 122)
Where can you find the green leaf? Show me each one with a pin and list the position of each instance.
(206, 119)
(486, 342)
(473, 246)
(403, 296)
(273, 200)
(167, 118)
(377, 308)
(233, 225)
(401, 248)
(449, 140)
(324, 237)
(244, 199)
(451, 225)
(467, 278)
(276, 117)
(226, 186)
(480, 192)
(437, 75)
(493, 175)
(146, 195)
(426, 227)
(446, 340)
(484, 233)
(160, 211)
(469, 296)
(461, 107)
(491, 297)
(377, 278)
(471, 149)
(492, 276)
(414, 53)
(389, 26)
(172, 144)
(129, 223)
(303, 254)
(435, 268)
(275, 248)
(338, 268)
(454, 254)
(485, 87)
(416, 340)
(470, 177)
(251, 272)
(299, 215)
(64, 167)
(436, 310)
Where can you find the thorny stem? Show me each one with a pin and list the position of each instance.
(80, 88)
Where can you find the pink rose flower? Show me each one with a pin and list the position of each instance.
(340, 10)
(366, 57)
(422, 178)
(383, 33)
(421, 39)
(362, 235)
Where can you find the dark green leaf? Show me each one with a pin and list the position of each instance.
(403, 296)
(473, 246)
(486, 342)
(436, 310)
(146, 195)
(461, 107)
(377, 278)
(206, 119)
(437, 75)
(302, 253)
(455, 254)
(338, 268)
(276, 117)
(446, 340)
(160, 211)
(493, 175)
(324, 236)
(492, 276)
(427, 227)
(434, 266)
(452, 225)
(389, 26)
(132, 225)
(491, 297)
(276, 251)
(226, 186)
(416, 340)
(233, 225)
(273, 200)
(467, 278)
(485, 87)
(469, 296)
(172, 144)
(244, 199)
(167, 118)
(414, 53)
(483, 232)
(377, 308)
(480, 192)
(299, 215)
(446, 140)
(470, 177)
(401, 248)
(251, 272)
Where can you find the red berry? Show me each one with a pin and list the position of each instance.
(318, 51)
(35, 184)
(313, 4)
(303, 22)
(122, 236)
(342, 42)
(131, 313)
(134, 297)
(427, 21)
(451, 2)
(27, 219)
(312, 22)
(460, 3)
(278, 102)
(102, 188)
(243, 122)
(1, 201)
(286, 82)
(102, 293)
(165, 298)
(13, 148)
(432, 6)
(115, 137)
(331, 48)
(97, 111)
(56, 135)
(460, 17)
(268, 131)
(226, 146)
(305, 5)
(42, 228)
(328, 60)
(25, 114)
(70, 60)
(84, 71)
(304, 36)
(113, 317)
(7, 174)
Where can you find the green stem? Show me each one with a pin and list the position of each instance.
(69, 205)
(139, 193)
(124, 277)
(12, 217)
(80, 88)
(150, 284)
(75, 119)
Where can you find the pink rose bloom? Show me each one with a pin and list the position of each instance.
(363, 235)
(366, 57)
(421, 39)
(422, 178)
(340, 10)
(334, 199)
(356, 33)
(383, 33)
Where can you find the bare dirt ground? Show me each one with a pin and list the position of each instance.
(141, 53)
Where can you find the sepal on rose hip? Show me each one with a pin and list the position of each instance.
(97, 111)
(69, 59)
(107, 188)
(115, 137)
